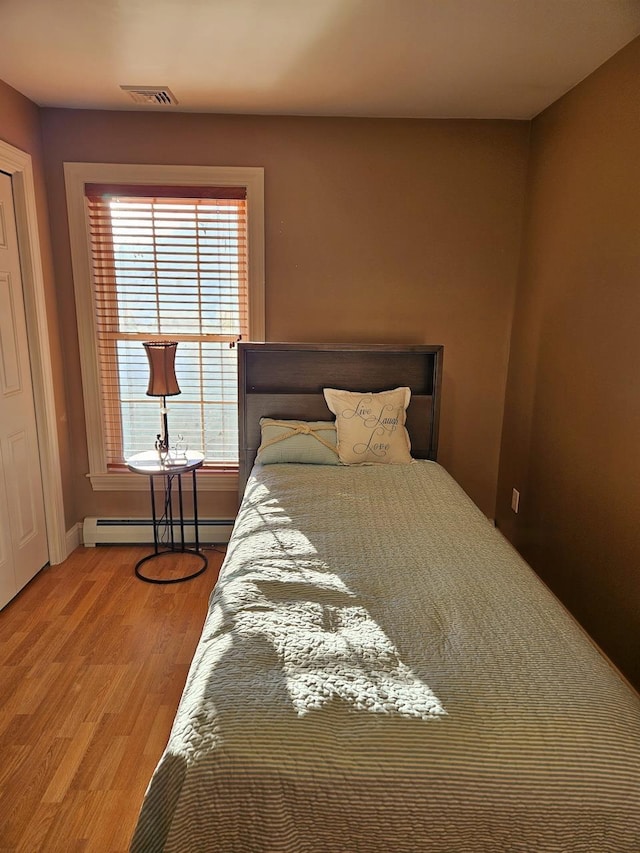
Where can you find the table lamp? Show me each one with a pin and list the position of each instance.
(162, 383)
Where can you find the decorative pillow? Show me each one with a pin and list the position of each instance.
(370, 426)
(311, 442)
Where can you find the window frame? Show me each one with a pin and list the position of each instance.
(77, 175)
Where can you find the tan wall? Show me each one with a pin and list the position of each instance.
(572, 414)
(20, 127)
(376, 231)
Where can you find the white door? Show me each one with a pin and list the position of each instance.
(23, 535)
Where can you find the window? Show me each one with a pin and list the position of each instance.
(164, 261)
(169, 263)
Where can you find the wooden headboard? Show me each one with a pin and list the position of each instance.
(285, 381)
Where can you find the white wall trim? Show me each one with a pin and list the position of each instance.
(131, 531)
(74, 537)
(18, 164)
(130, 482)
(79, 174)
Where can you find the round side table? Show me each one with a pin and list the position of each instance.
(169, 469)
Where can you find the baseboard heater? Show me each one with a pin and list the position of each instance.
(134, 531)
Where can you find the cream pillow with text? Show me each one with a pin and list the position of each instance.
(371, 426)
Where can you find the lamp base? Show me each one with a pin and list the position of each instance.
(162, 438)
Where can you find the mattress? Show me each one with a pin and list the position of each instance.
(380, 671)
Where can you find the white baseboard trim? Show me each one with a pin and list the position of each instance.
(134, 531)
(73, 538)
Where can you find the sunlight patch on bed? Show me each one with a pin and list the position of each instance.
(270, 528)
(339, 653)
(329, 648)
(284, 544)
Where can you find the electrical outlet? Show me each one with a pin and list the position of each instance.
(515, 500)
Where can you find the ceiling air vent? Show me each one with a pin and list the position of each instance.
(151, 95)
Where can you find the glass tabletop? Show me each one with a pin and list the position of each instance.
(150, 462)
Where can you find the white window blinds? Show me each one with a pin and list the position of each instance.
(169, 263)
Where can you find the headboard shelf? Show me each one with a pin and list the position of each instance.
(305, 368)
(286, 380)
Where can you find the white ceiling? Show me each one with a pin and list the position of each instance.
(411, 58)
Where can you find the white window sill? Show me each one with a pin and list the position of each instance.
(127, 481)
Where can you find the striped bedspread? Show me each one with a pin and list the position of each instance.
(380, 672)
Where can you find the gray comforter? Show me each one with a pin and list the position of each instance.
(380, 672)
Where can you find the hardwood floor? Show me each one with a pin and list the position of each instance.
(92, 665)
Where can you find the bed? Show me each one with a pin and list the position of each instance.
(379, 670)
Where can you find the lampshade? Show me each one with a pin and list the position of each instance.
(162, 372)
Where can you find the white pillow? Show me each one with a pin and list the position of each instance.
(371, 426)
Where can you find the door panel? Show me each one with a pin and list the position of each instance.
(8, 582)
(20, 474)
(9, 365)
(23, 540)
